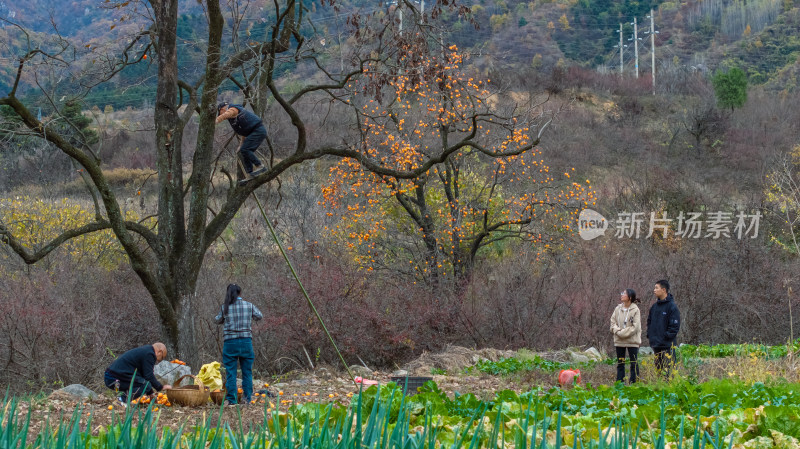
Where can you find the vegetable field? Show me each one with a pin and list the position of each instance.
(730, 411)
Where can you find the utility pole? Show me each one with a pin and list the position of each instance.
(621, 47)
(653, 50)
(636, 47)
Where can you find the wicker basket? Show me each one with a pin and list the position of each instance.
(189, 395)
(218, 396)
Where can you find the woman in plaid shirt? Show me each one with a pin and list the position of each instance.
(236, 315)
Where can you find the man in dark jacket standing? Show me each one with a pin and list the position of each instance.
(252, 133)
(663, 324)
(135, 368)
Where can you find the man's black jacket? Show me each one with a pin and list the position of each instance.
(663, 323)
(140, 360)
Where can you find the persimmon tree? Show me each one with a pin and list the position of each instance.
(167, 256)
(493, 189)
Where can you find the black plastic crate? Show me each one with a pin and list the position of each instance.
(410, 384)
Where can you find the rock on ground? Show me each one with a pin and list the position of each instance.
(577, 356)
(168, 373)
(77, 390)
(594, 354)
(359, 370)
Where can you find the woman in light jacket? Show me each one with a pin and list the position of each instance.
(626, 325)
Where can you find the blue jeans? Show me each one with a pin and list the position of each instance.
(238, 351)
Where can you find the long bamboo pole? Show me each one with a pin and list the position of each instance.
(302, 288)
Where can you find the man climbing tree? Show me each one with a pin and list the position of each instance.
(251, 132)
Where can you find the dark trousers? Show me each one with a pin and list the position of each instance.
(121, 387)
(665, 360)
(250, 144)
(633, 354)
(238, 352)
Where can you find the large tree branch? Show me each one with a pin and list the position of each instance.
(115, 216)
(239, 195)
(379, 169)
(192, 106)
(297, 122)
(32, 257)
(406, 202)
(479, 239)
(327, 87)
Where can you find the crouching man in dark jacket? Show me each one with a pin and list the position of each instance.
(252, 133)
(663, 324)
(133, 371)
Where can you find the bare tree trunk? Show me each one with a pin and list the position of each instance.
(186, 344)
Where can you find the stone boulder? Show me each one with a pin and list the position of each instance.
(359, 370)
(645, 350)
(492, 355)
(78, 391)
(167, 373)
(559, 356)
(323, 373)
(577, 356)
(594, 354)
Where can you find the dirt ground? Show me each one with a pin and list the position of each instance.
(322, 385)
(325, 384)
(301, 388)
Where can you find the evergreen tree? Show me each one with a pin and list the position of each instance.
(730, 88)
(77, 126)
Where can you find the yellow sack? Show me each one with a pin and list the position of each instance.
(209, 376)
